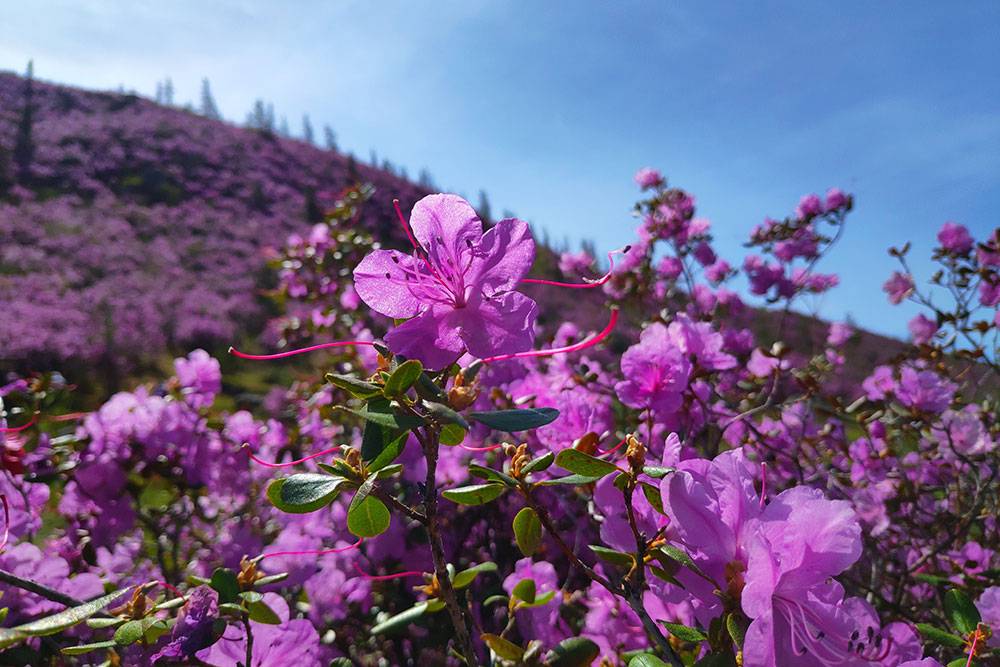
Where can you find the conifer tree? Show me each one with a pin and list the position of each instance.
(208, 107)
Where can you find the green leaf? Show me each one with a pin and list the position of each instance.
(87, 648)
(452, 435)
(468, 575)
(389, 471)
(539, 463)
(646, 660)
(584, 464)
(652, 494)
(403, 377)
(960, 611)
(225, 584)
(353, 385)
(304, 492)
(684, 633)
(445, 414)
(525, 590)
(930, 633)
(476, 494)
(101, 623)
(619, 558)
(679, 555)
(656, 472)
(527, 531)
(491, 474)
(363, 491)
(271, 579)
(369, 518)
(389, 419)
(575, 480)
(400, 620)
(58, 622)
(540, 600)
(395, 443)
(573, 652)
(505, 649)
(737, 625)
(427, 390)
(261, 613)
(511, 421)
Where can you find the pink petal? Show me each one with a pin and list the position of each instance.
(427, 337)
(505, 256)
(386, 295)
(501, 325)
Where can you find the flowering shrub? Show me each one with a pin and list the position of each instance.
(464, 485)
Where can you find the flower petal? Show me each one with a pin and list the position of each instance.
(444, 225)
(504, 324)
(380, 279)
(428, 337)
(504, 256)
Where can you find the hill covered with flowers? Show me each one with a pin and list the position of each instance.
(129, 227)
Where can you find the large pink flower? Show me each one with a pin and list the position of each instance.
(457, 289)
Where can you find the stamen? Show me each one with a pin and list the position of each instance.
(18, 429)
(613, 449)
(582, 345)
(246, 446)
(6, 522)
(314, 552)
(488, 448)
(406, 226)
(167, 586)
(291, 353)
(68, 417)
(972, 650)
(386, 577)
(587, 283)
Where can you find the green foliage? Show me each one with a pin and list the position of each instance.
(512, 421)
(304, 492)
(60, 621)
(475, 494)
(527, 531)
(584, 464)
(368, 518)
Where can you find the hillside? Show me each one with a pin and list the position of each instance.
(129, 228)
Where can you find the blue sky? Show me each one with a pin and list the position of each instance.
(551, 107)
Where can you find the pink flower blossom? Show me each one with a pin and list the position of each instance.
(647, 177)
(457, 289)
(955, 238)
(898, 287)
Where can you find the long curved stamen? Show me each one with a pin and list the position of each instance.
(386, 577)
(22, 427)
(406, 226)
(582, 345)
(291, 353)
(587, 283)
(6, 522)
(268, 464)
(314, 552)
(169, 587)
(487, 448)
(972, 650)
(614, 449)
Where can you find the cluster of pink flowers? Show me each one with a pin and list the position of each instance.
(689, 483)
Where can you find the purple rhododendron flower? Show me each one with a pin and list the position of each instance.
(458, 290)
(898, 287)
(655, 370)
(200, 378)
(988, 605)
(292, 642)
(840, 333)
(922, 329)
(647, 177)
(955, 238)
(193, 630)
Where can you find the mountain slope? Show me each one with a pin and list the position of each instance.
(127, 227)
